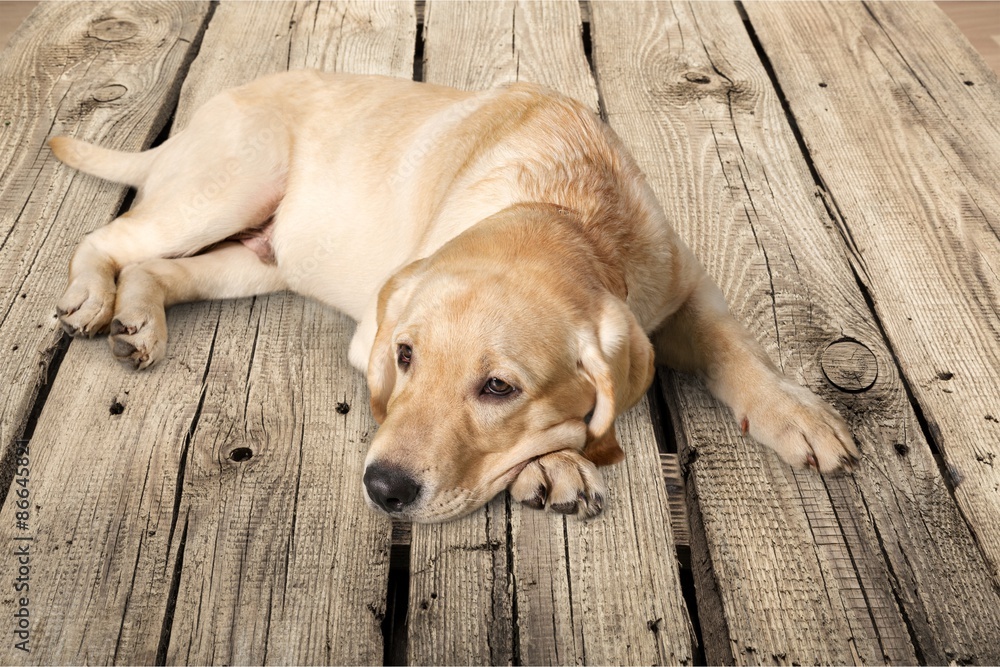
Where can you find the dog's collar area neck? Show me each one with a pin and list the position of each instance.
(610, 269)
(592, 229)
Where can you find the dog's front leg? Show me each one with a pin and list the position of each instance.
(702, 337)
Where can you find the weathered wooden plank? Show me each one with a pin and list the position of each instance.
(106, 72)
(514, 41)
(918, 198)
(461, 583)
(511, 584)
(102, 72)
(320, 556)
(868, 563)
(460, 607)
(282, 561)
(613, 597)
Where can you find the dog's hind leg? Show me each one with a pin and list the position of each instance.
(147, 232)
(223, 174)
(145, 289)
(159, 226)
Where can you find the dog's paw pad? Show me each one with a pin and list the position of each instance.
(536, 501)
(85, 312)
(137, 345)
(117, 327)
(563, 482)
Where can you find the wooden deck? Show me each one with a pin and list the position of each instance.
(834, 165)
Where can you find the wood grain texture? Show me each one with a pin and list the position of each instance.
(282, 560)
(870, 563)
(103, 488)
(551, 590)
(613, 597)
(278, 548)
(91, 514)
(539, 42)
(51, 72)
(918, 198)
(461, 590)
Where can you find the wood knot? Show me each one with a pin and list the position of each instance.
(240, 454)
(849, 365)
(697, 77)
(110, 92)
(113, 30)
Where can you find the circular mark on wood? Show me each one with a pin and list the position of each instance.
(114, 30)
(116, 408)
(241, 454)
(849, 365)
(697, 77)
(342, 408)
(110, 92)
(822, 84)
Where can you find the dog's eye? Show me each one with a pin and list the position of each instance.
(403, 355)
(497, 387)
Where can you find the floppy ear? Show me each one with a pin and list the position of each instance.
(619, 362)
(392, 298)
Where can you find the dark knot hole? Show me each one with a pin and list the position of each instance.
(241, 454)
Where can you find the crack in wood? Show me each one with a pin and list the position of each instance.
(51, 359)
(168, 613)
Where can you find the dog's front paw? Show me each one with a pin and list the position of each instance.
(802, 428)
(85, 309)
(562, 482)
(138, 340)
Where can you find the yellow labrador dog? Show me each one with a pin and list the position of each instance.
(505, 259)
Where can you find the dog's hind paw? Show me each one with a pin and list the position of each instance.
(562, 482)
(85, 310)
(138, 342)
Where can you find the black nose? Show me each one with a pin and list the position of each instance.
(391, 488)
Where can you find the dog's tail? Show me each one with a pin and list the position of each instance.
(129, 168)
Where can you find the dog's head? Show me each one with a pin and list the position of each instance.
(499, 348)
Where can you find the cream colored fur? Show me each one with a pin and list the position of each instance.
(501, 237)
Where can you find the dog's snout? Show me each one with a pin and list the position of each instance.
(391, 488)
